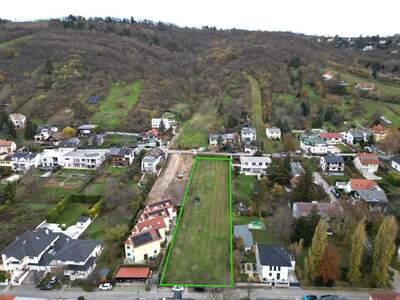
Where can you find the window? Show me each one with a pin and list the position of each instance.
(270, 274)
(278, 276)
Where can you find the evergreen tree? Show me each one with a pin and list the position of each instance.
(384, 248)
(279, 171)
(304, 190)
(317, 250)
(357, 247)
(30, 130)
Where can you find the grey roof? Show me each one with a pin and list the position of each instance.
(373, 196)
(76, 250)
(30, 243)
(248, 130)
(296, 168)
(396, 158)
(121, 151)
(334, 159)
(87, 127)
(88, 264)
(83, 219)
(24, 155)
(70, 143)
(274, 130)
(153, 155)
(244, 232)
(273, 256)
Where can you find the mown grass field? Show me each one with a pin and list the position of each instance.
(120, 100)
(256, 118)
(200, 252)
(72, 213)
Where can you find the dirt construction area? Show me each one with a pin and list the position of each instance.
(168, 185)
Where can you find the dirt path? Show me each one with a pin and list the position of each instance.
(168, 185)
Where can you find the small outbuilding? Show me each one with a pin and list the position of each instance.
(127, 274)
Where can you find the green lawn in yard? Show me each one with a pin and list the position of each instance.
(97, 229)
(113, 170)
(243, 189)
(200, 253)
(263, 236)
(95, 188)
(71, 214)
(120, 100)
(118, 140)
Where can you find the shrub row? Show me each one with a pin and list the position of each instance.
(95, 210)
(58, 209)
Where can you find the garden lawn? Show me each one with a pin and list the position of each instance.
(71, 214)
(201, 249)
(120, 100)
(243, 191)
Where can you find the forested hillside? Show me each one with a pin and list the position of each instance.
(50, 70)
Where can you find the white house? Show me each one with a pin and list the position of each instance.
(327, 76)
(274, 265)
(23, 161)
(52, 158)
(332, 164)
(42, 250)
(248, 134)
(331, 138)
(7, 147)
(18, 120)
(273, 133)
(253, 165)
(168, 123)
(151, 160)
(86, 130)
(367, 163)
(83, 158)
(313, 145)
(224, 137)
(356, 136)
(395, 162)
(142, 246)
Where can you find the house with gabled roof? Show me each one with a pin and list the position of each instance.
(21, 162)
(151, 160)
(18, 120)
(42, 250)
(121, 157)
(7, 147)
(395, 162)
(332, 164)
(331, 137)
(142, 246)
(368, 191)
(367, 163)
(274, 265)
(313, 145)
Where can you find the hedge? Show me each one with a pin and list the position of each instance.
(90, 199)
(94, 211)
(57, 210)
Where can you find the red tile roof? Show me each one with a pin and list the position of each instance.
(155, 223)
(133, 272)
(4, 143)
(385, 296)
(330, 135)
(362, 184)
(378, 128)
(368, 158)
(7, 297)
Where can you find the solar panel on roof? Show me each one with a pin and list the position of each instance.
(141, 239)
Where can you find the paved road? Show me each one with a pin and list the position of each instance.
(321, 181)
(137, 292)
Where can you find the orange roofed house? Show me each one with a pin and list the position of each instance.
(368, 191)
(7, 147)
(150, 231)
(384, 296)
(379, 132)
(367, 163)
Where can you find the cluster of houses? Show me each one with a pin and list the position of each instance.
(360, 86)
(61, 152)
(150, 232)
(47, 248)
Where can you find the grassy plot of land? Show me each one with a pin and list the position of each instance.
(71, 214)
(194, 133)
(120, 100)
(256, 117)
(200, 252)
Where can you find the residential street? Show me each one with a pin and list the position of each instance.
(138, 292)
(321, 181)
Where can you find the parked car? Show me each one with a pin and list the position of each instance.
(330, 297)
(334, 192)
(199, 289)
(310, 297)
(53, 280)
(46, 287)
(105, 286)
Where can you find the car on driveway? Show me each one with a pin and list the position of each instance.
(310, 297)
(334, 193)
(46, 287)
(53, 280)
(105, 286)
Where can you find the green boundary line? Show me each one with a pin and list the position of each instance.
(185, 197)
